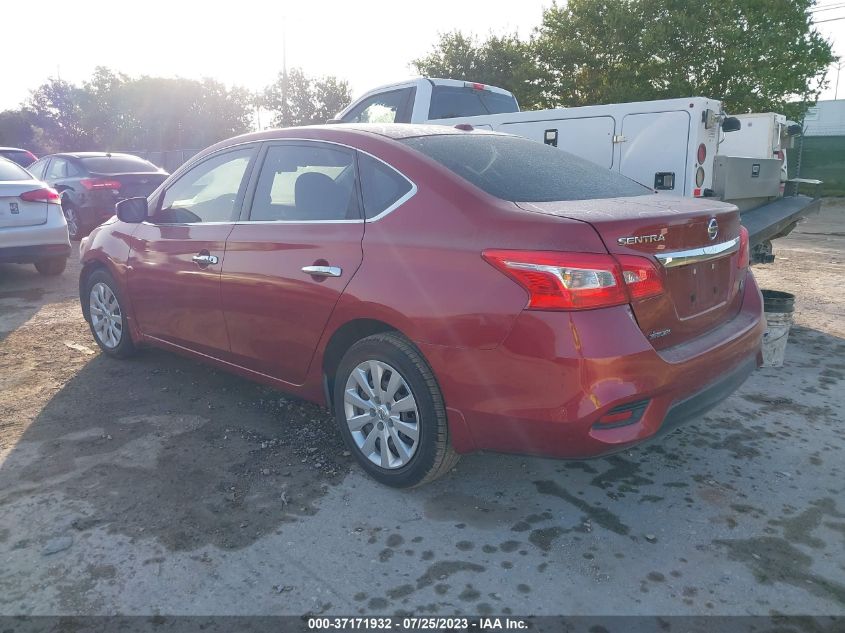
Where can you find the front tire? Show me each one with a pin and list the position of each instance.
(51, 267)
(390, 412)
(107, 316)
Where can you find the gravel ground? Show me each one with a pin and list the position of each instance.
(160, 486)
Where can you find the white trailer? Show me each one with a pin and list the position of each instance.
(670, 145)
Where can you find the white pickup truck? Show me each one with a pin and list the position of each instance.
(670, 144)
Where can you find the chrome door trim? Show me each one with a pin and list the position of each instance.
(697, 255)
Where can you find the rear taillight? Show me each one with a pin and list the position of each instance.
(41, 195)
(642, 279)
(577, 281)
(32, 156)
(99, 183)
(742, 255)
(779, 154)
(702, 153)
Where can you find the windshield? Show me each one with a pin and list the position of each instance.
(519, 170)
(454, 101)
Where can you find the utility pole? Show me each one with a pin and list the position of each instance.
(285, 110)
(836, 90)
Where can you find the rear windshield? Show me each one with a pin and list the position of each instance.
(13, 171)
(21, 157)
(453, 101)
(519, 170)
(116, 164)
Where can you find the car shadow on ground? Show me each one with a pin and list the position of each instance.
(22, 294)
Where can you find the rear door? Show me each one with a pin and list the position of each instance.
(655, 147)
(176, 257)
(291, 256)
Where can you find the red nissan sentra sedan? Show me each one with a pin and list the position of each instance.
(443, 290)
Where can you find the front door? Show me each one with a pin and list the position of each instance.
(176, 257)
(291, 257)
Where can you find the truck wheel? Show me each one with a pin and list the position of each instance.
(51, 267)
(390, 412)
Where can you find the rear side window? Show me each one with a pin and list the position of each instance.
(117, 164)
(516, 169)
(454, 101)
(381, 185)
(306, 183)
(12, 171)
(57, 169)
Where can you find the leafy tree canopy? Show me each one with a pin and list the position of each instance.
(297, 99)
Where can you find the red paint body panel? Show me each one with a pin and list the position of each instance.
(513, 380)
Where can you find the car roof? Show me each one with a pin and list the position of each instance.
(13, 149)
(92, 155)
(388, 130)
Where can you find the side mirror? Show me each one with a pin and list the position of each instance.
(132, 210)
(731, 124)
(794, 130)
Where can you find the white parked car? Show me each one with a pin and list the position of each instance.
(33, 229)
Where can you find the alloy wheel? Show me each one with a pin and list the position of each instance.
(382, 414)
(72, 220)
(106, 315)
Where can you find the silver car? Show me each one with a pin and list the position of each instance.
(33, 229)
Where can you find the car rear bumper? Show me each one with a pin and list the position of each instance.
(32, 254)
(544, 390)
(28, 244)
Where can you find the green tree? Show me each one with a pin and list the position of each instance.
(504, 61)
(754, 55)
(297, 99)
(16, 129)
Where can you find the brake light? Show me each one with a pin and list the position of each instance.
(702, 153)
(99, 183)
(641, 277)
(577, 281)
(41, 195)
(32, 156)
(474, 85)
(742, 254)
(779, 154)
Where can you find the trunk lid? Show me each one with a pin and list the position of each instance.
(700, 272)
(15, 212)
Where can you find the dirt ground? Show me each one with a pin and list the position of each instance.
(160, 486)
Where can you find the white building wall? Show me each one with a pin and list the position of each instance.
(826, 118)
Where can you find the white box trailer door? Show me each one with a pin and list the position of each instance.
(588, 137)
(656, 147)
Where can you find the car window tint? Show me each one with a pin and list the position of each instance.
(516, 169)
(207, 192)
(37, 168)
(57, 169)
(380, 108)
(19, 156)
(456, 101)
(117, 164)
(303, 183)
(12, 171)
(381, 185)
(73, 171)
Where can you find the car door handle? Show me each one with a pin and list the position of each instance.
(205, 260)
(323, 271)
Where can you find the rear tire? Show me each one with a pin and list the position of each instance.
(107, 316)
(51, 267)
(75, 227)
(387, 399)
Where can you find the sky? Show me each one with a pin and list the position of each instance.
(367, 42)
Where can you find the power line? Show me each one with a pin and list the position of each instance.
(829, 8)
(829, 20)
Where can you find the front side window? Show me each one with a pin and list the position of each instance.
(57, 169)
(387, 107)
(381, 185)
(306, 183)
(207, 192)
